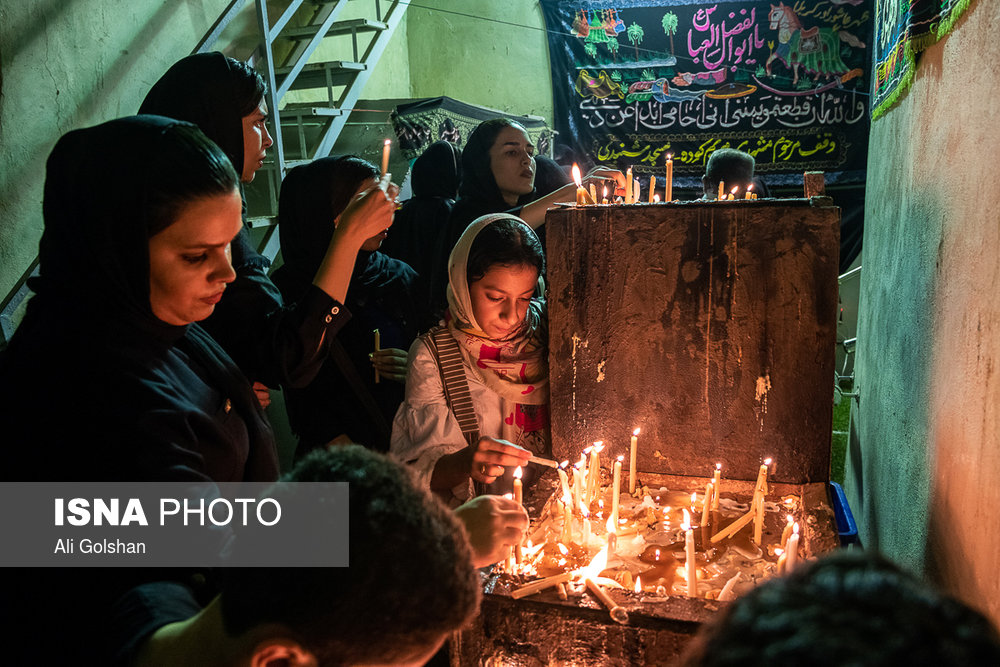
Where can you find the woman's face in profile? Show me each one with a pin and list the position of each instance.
(513, 164)
(256, 141)
(500, 298)
(189, 261)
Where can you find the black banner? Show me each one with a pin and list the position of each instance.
(634, 81)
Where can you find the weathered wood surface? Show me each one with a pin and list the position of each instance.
(710, 326)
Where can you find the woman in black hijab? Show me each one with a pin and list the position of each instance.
(498, 175)
(419, 234)
(108, 377)
(273, 343)
(344, 399)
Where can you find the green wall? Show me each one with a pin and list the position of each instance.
(923, 471)
(66, 65)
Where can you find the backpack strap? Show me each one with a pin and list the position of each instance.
(456, 387)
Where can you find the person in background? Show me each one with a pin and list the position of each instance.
(849, 608)
(496, 330)
(272, 343)
(411, 582)
(498, 174)
(549, 177)
(344, 401)
(420, 232)
(731, 167)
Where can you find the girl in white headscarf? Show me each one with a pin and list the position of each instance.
(497, 317)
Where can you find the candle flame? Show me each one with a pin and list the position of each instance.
(610, 525)
(567, 499)
(791, 519)
(562, 561)
(686, 525)
(576, 176)
(778, 551)
(388, 141)
(635, 432)
(656, 198)
(670, 156)
(694, 497)
(638, 586)
(509, 496)
(517, 472)
(596, 566)
(750, 187)
(564, 464)
(600, 503)
(767, 461)
(621, 458)
(656, 555)
(718, 466)
(562, 549)
(733, 191)
(587, 450)
(795, 528)
(605, 192)
(599, 446)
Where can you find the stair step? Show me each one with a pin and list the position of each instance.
(303, 110)
(314, 75)
(338, 28)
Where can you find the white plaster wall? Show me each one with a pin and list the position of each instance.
(924, 465)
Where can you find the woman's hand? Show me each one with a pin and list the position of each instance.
(598, 175)
(369, 213)
(494, 524)
(390, 362)
(491, 457)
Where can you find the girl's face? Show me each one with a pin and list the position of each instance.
(189, 261)
(500, 298)
(513, 164)
(256, 141)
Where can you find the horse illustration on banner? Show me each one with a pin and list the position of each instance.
(815, 50)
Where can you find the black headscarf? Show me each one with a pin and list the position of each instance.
(211, 91)
(94, 285)
(438, 171)
(312, 196)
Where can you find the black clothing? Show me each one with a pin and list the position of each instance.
(344, 398)
(273, 343)
(419, 235)
(94, 387)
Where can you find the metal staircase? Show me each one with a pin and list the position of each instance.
(286, 57)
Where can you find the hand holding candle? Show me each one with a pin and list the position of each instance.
(385, 155)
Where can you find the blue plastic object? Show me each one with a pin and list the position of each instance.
(846, 528)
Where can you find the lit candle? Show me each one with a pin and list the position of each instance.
(605, 200)
(652, 187)
(692, 573)
(761, 486)
(628, 186)
(706, 504)
(564, 479)
(656, 198)
(582, 196)
(385, 155)
(749, 194)
(722, 190)
(669, 195)
(616, 490)
(518, 486)
(631, 460)
(635, 192)
(717, 487)
(732, 193)
(378, 346)
(787, 531)
(758, 520)
(792, 549)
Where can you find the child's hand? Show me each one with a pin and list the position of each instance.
(390, 362)
(494, 524)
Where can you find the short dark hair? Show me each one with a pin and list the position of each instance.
(849, 608)
(183, 171)
(508, 242)
(729, 166)
(410, 582)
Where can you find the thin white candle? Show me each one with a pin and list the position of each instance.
(633, 445)
(616, 491)
(718, 486)
(691, 572)
(792, 550)
(385, 155)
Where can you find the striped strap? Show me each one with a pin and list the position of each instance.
(456, 386)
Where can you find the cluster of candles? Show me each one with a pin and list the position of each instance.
(585, 197)
(580, 486)
(749, 194)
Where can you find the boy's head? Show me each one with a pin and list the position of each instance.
(411, 581)
(732, 167)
